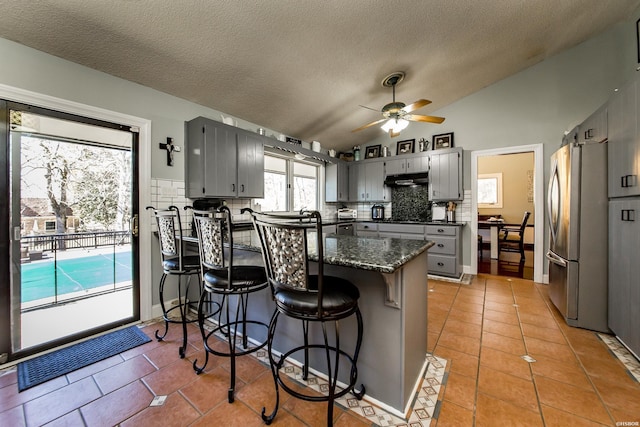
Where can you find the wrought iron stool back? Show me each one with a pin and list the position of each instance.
(175, 261)
(288, 243)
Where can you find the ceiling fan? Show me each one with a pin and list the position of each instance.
(396, 115)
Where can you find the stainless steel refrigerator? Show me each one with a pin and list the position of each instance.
(578, 222)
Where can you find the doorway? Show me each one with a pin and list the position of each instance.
(537, 215)
(71, 269)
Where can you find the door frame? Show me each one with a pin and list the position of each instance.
(144, 162)
(538, 198)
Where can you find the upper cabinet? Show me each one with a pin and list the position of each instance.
(223, 161)
(594, 129)
(624, 142)
(336, 181)
(445, 175)
(413, 163)
(366, 182)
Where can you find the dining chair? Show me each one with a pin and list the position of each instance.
(512, 238)
(315, 299)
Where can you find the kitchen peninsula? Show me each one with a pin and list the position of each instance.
(391, 275)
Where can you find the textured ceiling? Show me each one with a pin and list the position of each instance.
(303, 67)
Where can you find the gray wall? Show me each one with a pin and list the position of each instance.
(536, 105)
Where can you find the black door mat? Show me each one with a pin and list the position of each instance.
(60, 362)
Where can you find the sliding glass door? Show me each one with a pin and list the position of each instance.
(71, 217)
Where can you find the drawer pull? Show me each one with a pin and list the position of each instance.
(628, 215)
(440, 245)
(440, 230)
(440, 264)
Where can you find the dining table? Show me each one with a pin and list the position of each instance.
(494, 226)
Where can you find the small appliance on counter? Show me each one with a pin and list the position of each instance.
(345, 213)
(377, 212)
(439, 213)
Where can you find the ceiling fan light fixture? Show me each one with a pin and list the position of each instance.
(395, 125)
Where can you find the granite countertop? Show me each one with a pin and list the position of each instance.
(383, 254)
(351, 221)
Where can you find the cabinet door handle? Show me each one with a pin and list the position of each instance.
(628, 215)
(588, 134)
(628, 181)
(233, 188)
(242, 188)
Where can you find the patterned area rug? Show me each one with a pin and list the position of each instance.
(60, 362)
(426, 401)
(620, 351)
(464, 280)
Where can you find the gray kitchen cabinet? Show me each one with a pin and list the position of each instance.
(413, 163)
(624, 271)
(624, 145)
(336, 182)
(369, 229)
(445, 257)
(329, 229)
(222, 161)
(445, 175)
(402, 231)
(366, 182)
(250, 181)
(594, 128)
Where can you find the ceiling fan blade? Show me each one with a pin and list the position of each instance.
(428, 119)
(369, 108)
(418, 104)
(369, 124)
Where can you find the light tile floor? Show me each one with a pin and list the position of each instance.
(479, 331)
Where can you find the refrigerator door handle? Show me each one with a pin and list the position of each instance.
(556, 259)
(553, 185)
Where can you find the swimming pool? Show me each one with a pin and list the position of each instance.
(74, 274)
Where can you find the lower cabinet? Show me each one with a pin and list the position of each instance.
(624, 270)
(445, 257)
(401, 231)
(367, 229)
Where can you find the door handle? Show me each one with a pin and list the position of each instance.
(628, 215)
(134, 226)
(556, 259)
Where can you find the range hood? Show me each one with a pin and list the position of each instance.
(407, 179)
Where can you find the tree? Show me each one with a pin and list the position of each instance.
(92, 181)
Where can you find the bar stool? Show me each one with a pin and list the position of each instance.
(308, 297)
(221, 277)
(175, 263)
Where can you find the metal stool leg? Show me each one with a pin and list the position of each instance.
(164, 310)
(268, 419)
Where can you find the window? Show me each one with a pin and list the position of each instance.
(289, 185)
(490, 190)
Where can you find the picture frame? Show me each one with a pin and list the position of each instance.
(372, 151)
(406, 146)
(443, 140)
